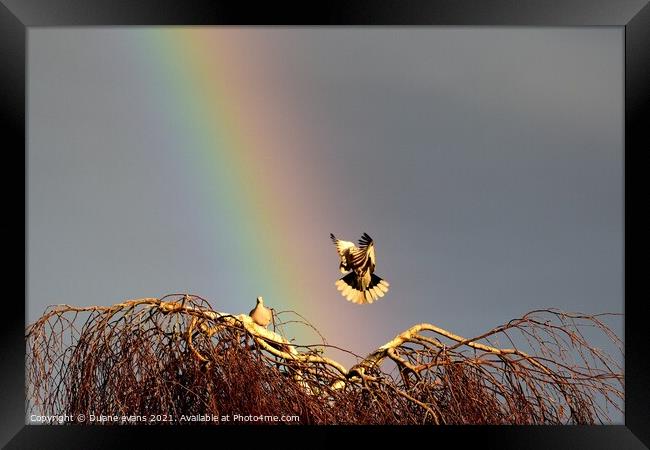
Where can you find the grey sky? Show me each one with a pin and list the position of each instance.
(489, 162)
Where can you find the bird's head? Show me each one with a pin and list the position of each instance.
(260, 301)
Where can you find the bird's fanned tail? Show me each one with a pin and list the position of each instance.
(352, 291)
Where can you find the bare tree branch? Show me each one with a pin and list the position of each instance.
(176, 355)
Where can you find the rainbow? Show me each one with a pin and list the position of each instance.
(244, 148)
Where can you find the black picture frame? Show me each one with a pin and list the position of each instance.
(16, 16)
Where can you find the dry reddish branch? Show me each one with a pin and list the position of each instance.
(176, 355)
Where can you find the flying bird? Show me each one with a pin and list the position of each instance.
(361, 285)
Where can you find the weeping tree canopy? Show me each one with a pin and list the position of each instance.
(177, 357)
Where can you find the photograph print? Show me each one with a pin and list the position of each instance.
(325, 225)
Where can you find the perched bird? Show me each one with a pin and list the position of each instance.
(261, 315)
(361, 285)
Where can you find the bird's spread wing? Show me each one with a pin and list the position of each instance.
(365, 241)
(341, 246)
(363, 258)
